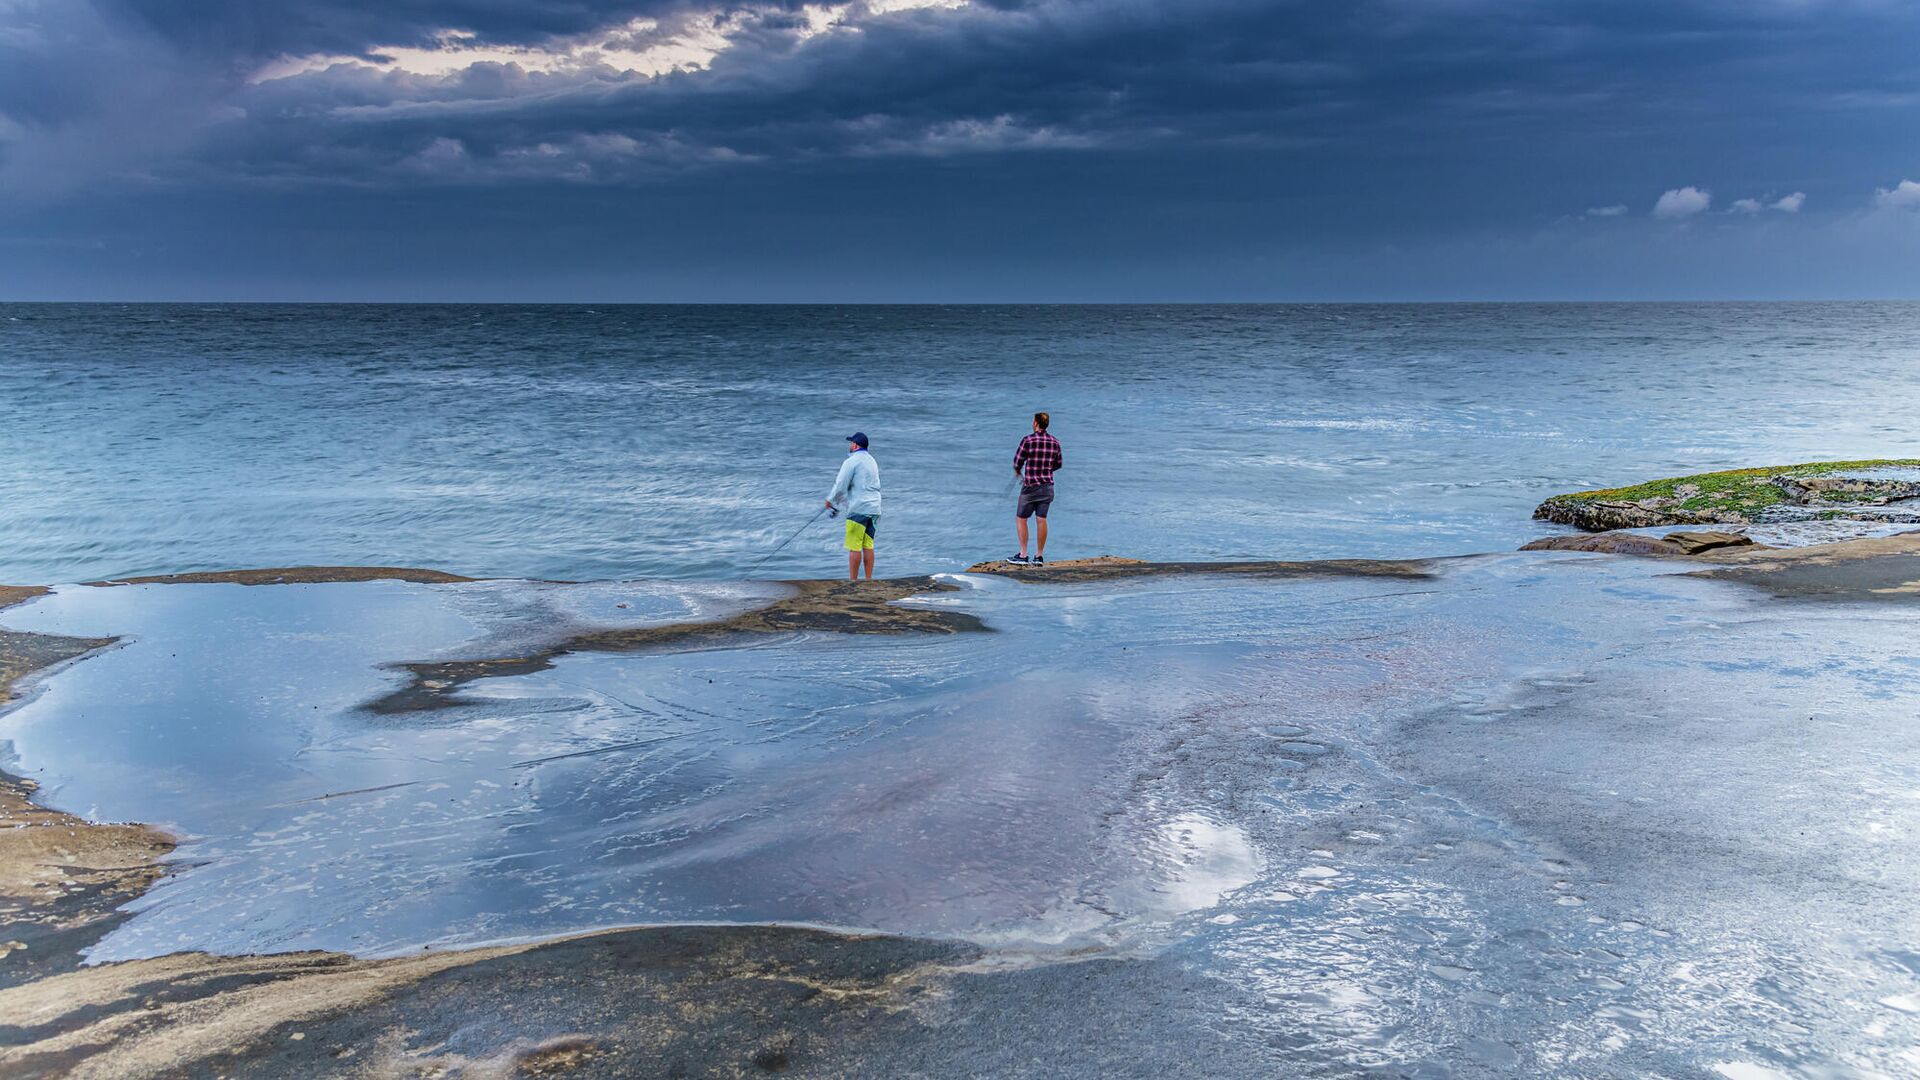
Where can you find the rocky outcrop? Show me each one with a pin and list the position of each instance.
(1809, 490)
(1693, 543)
(1744, 496)
(1627, 543)
(1606, 543)
(1604, 516)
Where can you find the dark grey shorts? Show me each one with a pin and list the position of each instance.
(1035, 500)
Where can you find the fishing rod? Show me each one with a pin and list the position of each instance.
(790, 539)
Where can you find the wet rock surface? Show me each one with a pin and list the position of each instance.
(62, 878)
(1607, 543)
(1878, 569)
(1881, 569)
(838, 607)
(1112, 568)
(848, 607)
(672, 1001)
(15, 594)
(293, 575)
(1418, 911)
(1630, 543)
(62, 882)
(1694, 543)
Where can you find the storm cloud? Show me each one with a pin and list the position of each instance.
(1138, 147)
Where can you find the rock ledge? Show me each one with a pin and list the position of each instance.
(1822, 489)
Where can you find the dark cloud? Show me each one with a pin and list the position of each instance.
(240, 31)
(1241, 121)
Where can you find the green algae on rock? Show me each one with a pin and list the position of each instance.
(1736, 496)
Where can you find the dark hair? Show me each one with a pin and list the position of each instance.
(1041, 419)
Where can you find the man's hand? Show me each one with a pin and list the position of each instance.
(831, 512)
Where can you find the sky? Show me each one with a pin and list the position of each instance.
(959, 150)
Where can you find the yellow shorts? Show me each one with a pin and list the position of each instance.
(859, 538)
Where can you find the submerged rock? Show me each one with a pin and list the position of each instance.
(1742, 496)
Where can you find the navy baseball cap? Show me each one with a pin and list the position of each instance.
(858, 438)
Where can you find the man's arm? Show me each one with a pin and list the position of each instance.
(843, 483)
(1019, 454)
(1059, 455)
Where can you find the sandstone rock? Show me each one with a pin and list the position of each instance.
(1608, 543)
(1599, 516)
(1842, 490)
(1693, 543)
(1628, 543)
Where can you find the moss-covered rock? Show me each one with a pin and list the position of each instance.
(1736, 496)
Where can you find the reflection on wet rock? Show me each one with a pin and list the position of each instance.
(1522, 814)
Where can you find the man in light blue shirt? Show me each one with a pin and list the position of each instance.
(858, 485)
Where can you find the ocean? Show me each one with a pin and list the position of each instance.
(587, 443)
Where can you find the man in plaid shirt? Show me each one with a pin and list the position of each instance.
(1035, 461)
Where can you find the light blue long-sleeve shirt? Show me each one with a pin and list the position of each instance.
(858, 484)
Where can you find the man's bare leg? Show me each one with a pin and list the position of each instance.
(869, 561)
(1041, 547)
(1020, 526)
(853, 566)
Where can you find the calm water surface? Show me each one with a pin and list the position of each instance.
(684, 442)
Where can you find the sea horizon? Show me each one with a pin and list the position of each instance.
(1434, 302)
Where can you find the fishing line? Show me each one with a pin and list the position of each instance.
(790, 539)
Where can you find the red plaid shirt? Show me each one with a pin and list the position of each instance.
(1038, 456)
